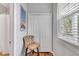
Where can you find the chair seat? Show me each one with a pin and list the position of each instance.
(33, 46)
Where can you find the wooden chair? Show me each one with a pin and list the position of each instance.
(30, 44)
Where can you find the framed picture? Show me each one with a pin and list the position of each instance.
(23, 19)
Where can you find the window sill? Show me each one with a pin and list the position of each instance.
(68, 39)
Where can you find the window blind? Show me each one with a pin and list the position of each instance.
(65, 9)
(71, 10)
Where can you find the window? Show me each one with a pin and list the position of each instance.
(68, 22)
(70, 26)
(66, 25)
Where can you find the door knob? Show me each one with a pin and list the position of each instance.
(10, 42)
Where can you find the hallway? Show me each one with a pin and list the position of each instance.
(52, 26)
(39, 29)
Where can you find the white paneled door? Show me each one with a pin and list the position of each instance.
(8, 34)
(40, 25)
(4, 33)
(6, 28)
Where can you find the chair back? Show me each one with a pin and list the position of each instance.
(27, 40)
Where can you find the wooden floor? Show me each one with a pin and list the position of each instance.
(4, 54)
(42, 54)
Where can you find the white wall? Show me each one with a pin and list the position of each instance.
(18, 35)
(39, 7)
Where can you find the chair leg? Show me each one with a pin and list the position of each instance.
(32, 52)
(38, 51)
(26, 52)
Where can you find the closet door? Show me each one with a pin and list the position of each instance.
(33, 26)
(40, 25)
(8, 34)
(45, 29)
(2, 32)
